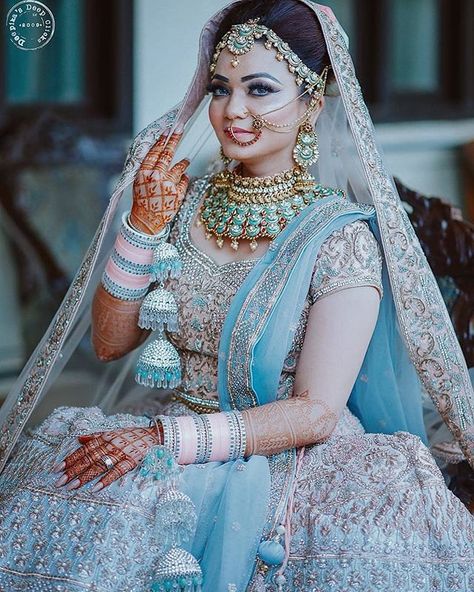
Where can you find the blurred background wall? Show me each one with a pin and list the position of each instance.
(69, 110)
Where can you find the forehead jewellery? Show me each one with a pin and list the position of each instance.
(239, 40)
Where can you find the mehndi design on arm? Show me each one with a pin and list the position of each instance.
(115, 329)
(298, 421)
(158, 192)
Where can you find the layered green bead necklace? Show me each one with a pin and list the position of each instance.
(241, 208)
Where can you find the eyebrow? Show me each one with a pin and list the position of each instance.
(249, 77)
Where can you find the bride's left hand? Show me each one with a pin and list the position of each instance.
(113, 453)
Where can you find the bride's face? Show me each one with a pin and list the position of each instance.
(258, 85)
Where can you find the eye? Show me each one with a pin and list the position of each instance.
(217, 90)
(261, 89)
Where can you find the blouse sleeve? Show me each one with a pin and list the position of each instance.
(349, 257)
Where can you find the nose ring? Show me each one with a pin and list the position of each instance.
(257, 132)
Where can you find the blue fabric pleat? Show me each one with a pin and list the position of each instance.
(231, 511)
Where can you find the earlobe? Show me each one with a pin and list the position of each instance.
(317, 112)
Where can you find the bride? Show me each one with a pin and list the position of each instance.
(292, 327)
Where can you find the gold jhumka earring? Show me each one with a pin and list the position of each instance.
(306, 150)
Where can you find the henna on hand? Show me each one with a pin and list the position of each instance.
(125, 447)
(295, 422)
(158, 191)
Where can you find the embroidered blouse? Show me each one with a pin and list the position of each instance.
(349, 257)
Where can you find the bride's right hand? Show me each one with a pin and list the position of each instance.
(159, 190)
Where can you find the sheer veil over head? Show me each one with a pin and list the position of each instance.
(349, 159)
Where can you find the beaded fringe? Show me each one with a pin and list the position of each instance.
(176, 570)
(159, 364)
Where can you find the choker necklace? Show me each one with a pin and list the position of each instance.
(241, 208)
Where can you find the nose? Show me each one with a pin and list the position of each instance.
(236, 107)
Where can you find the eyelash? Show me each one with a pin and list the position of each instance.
(212, 88)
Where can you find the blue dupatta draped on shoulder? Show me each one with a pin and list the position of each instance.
(246, 499)
(259, 328)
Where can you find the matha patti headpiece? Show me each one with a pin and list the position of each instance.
(240, 39)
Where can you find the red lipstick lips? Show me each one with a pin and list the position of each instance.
(238, 130)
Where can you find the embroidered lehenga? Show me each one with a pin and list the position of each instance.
(371, 510)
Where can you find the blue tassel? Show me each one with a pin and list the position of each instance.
(166, 263)
(159, 365)
(178, 571)
(271, 552)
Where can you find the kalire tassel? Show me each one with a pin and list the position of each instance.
(159, 365)
(175, 570)
(178, 571)
(159, 307)
(166, 262)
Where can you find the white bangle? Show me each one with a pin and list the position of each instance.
(141, 239)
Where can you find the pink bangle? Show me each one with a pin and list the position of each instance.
(125, 278)
(201, 438)
(188, 440)
(127, 274)
(133, 253)
(221, 436)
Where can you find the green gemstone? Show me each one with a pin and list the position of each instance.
(254, 219)
(252, 231)
(298, 201)
(288, 215)
(221, 227)
(235, 230)
(269, 209)
(306, 152)
(273, 229)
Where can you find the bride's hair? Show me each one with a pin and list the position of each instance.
(291, 20)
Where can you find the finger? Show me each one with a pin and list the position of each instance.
(182, 186)
(73, 471)
(122, 468)
(178, 169)
(86, 437)
(153, 155)
(89, 474)
(95, 457)
(82, 451)
(168, 151)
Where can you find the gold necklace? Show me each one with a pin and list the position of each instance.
(241, 208)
